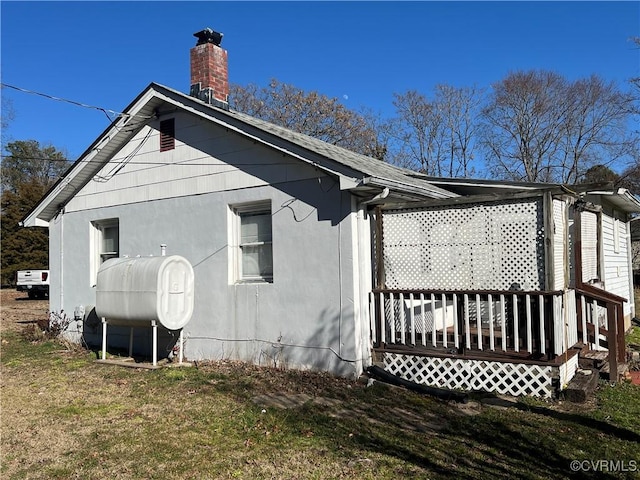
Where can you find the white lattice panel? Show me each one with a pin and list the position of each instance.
(479, 246)
(465, 374)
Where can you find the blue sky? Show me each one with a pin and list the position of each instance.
(105, 53)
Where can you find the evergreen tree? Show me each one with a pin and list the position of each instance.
(28, 171)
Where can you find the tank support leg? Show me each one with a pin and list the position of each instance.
(181, 355)
(154, 325)
(104, 338)
(131, 342)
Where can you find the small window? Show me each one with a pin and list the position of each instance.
(167, 135)
(254, 253)
(110, 242)
(616, 235)
(105, 244)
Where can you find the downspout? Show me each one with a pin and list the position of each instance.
(362, 246)
(364, 284)
(62, 259)
(632, 304)
(382, 195)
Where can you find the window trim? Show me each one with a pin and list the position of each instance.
(97, 255)
(236, 212)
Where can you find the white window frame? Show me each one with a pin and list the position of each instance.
(97, 253)
(616, 235)
(236, 212)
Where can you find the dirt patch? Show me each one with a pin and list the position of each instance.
(635, 377)
(18, 310)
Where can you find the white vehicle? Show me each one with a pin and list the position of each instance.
(35, 282)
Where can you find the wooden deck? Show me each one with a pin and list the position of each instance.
(468, 330)
(523, 357)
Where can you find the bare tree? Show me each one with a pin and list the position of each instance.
(310, 113)
(436, 136)
(414, 131)
(596, 127)
(523, 120)
(540, 127)
(459, 109)
(635, 81)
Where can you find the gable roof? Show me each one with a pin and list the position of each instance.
(358, 173)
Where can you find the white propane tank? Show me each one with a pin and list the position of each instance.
(136, 291)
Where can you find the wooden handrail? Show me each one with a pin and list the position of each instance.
(599, 294)
(615, 329)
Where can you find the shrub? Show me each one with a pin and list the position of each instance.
(46, 328)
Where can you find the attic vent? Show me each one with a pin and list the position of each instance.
(167, 135)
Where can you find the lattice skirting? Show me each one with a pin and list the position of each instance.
(465, 374)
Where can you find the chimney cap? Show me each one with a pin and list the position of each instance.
(208, 36)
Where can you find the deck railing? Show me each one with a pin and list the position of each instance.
(506, 323)
(601, 323)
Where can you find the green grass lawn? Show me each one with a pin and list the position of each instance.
(65, 416)
(633, 336)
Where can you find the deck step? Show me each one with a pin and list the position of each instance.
(581, 386)
(622, 369)
(593, 359)
(599, 361)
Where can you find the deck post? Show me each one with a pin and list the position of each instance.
(516, 324)
(456, 327)
(541, 319)
(612, 341)
(549, 267)
(379, 249)
(382, 315)
(622, 351)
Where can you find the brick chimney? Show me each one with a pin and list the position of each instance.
(209, 70)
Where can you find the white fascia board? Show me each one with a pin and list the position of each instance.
(622, 198)
(348, 183)
(61, 192)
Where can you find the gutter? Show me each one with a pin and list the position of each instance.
(624, 199)
(411, 189)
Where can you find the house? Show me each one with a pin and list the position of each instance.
(274, 223)
(309, 256)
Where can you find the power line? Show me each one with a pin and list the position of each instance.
(106, 111)
(186, 163)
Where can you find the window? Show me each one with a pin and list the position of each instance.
(105, 244)
(252, 259)
(590, 246)
(167, 135)
(110, 242)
